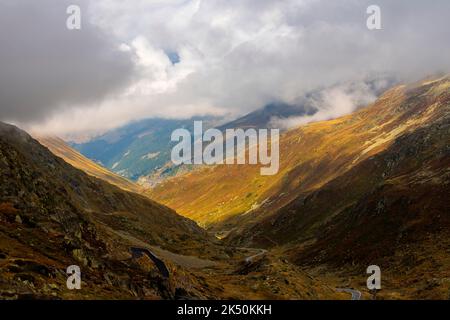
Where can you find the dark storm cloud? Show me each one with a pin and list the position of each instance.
(44, 67)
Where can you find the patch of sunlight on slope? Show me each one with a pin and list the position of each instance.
(59, 148)
(388, 137)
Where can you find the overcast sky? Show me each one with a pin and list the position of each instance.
(179, 58)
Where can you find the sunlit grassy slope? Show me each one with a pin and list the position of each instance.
(73, 157)
(310, 156)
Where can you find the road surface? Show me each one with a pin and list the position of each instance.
(260, 253)
(356, 295)
(250, 258)
(139, 252)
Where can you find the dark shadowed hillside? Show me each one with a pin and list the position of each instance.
(53, 215)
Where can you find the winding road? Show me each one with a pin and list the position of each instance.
(260, 253)
(139, 252)
(356, 295)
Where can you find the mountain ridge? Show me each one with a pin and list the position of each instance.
(370, 188)
(61, 149)
(326, 149)
(54, 215)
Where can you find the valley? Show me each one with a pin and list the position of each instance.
(222, 152)
(367, 188)
(53, 216)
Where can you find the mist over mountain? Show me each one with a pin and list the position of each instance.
(136, 149)
(366, 188)
(143, 148)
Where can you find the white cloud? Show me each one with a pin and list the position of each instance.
(333, 102)
(237, 55)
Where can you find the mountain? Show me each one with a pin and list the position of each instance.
(389, 210)
(262, 118)
(61, 149)
(141, 150)
(53, 216)
(128, 247)
(310, 156)
(135, 150)
(368, 188)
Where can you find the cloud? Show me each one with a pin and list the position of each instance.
(334, 102)
(46, 68)
(234, 56)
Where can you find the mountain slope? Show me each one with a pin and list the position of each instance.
(262, 118)
(310, 157)
(59, 148)
(370, 188)
(127, 246)
(391, 210)
(141, 150)
(402, 187)
(135, 150)
(53, 215)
